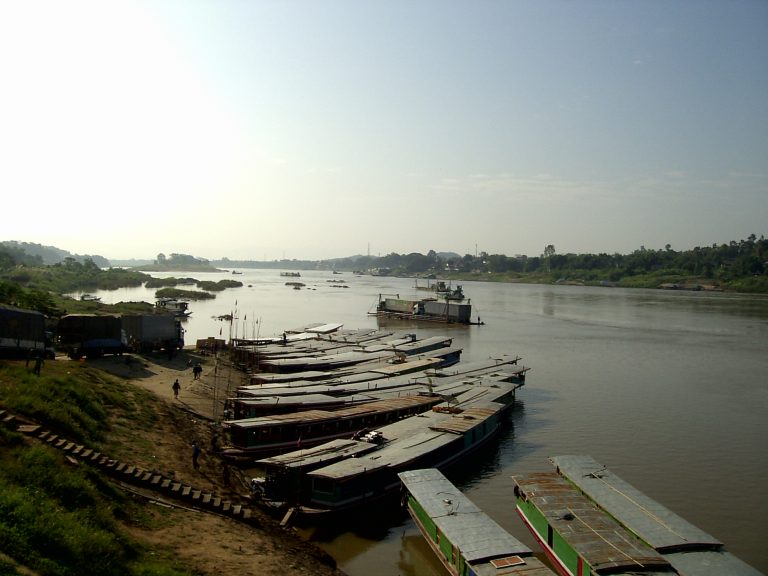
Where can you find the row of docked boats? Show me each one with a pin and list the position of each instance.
(587, 520)
(332, 416)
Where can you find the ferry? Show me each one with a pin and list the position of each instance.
(425, 309)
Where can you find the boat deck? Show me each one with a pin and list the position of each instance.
(479, 540)
(689, 549)
(596, 537)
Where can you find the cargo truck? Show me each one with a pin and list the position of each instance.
(90, 335)
(23, 333)
(149, 332)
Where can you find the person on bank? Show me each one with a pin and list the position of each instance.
(195, 454)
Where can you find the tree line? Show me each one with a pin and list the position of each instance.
(738, 265)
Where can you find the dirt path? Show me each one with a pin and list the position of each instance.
(208, 543)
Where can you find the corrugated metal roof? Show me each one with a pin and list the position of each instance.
(689, 549)
(412, 438)
(317, 416)
(603, 543)
(328, 452)
(477, 536)
(657, 525)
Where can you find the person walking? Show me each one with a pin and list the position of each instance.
(38, 363)
(176, 387)
(195, 454)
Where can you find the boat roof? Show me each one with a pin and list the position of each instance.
(657, 525)
(475, 534)
(599, 539)
(411, 438)
(673, 536)
(325, 328)
(318, 416)
(328, 452)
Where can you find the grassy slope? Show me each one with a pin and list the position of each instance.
(56, 518)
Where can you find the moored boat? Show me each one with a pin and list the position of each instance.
(464, 538)
(425, 309)
(179, 308)
(589, 521)
(438, 438)
(261, 436)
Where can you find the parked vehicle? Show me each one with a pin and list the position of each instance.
(90, 335)
(149, 332)
(23, 333)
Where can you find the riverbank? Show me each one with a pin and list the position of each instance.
(179, 533)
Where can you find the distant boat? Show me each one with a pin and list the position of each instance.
(89, 298)
(425, 309)
(448, 293)
(179, 308)
(291, 274)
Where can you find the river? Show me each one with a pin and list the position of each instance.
(669, 389)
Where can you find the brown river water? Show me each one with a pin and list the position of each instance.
(669, 389)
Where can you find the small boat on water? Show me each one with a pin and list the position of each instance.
(590, 521)
(89, 298)
(291, 274)
(179, 308)
(464, 538)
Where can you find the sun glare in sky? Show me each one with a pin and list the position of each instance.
(315, 130)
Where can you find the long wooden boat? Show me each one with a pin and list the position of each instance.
(465, 539)
(265, 435)
(438, 438)
(325, 418)
(351, 357)
(589, 521)
(255, 401)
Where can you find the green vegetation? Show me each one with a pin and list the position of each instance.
(220, 285)
(739, 266)
(171, 282)
(209, 285)
(176, 294)
(26, 283)
(73, 276)
(59, 519)
(180, 262)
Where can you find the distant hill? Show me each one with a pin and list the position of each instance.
(48, 255)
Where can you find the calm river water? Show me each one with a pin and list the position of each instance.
(668, 389)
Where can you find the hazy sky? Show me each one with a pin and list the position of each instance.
(325, 128)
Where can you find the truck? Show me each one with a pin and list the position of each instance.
(149, 332)
(90, 335)
(23, 333)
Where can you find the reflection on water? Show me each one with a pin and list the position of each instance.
(667, 388)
